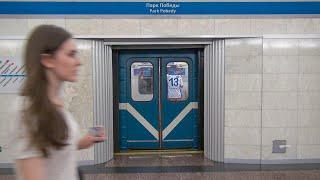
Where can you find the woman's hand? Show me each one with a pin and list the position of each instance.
(88, 140)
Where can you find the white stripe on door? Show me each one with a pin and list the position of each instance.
(179, 118)
(140, 118)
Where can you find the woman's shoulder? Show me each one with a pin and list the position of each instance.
(68, 116)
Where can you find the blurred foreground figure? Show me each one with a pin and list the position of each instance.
(45, 135)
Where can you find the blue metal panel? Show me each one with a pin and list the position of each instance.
(185, 134)
(133, 135)
(131, 130)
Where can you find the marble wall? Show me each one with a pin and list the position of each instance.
(153, 26)
(280, 96)
(274, 96)
(243, 82)
(291, 97)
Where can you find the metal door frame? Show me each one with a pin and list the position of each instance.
(213, 93)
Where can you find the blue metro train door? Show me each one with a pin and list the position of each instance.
(158, 106)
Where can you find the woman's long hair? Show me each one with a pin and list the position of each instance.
(46, 126)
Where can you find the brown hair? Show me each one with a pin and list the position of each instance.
(45, 124)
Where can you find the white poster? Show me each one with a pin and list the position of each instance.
(175, 85)
(12, 74)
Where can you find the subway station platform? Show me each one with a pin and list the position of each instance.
(193, 166)
(186, 165)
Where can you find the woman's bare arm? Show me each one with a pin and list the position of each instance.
(88, 140)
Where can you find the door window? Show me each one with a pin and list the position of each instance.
(177, 81)
(142, 81)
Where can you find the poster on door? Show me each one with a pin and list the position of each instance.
(12, 74)
(175, 85)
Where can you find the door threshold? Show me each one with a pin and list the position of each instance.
(158, 152)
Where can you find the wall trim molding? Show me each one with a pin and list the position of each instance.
(85, 162)
(164, 39)
(290, 161)
(80, 163)
(273, 161)
(6, 165)
(242, 161)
